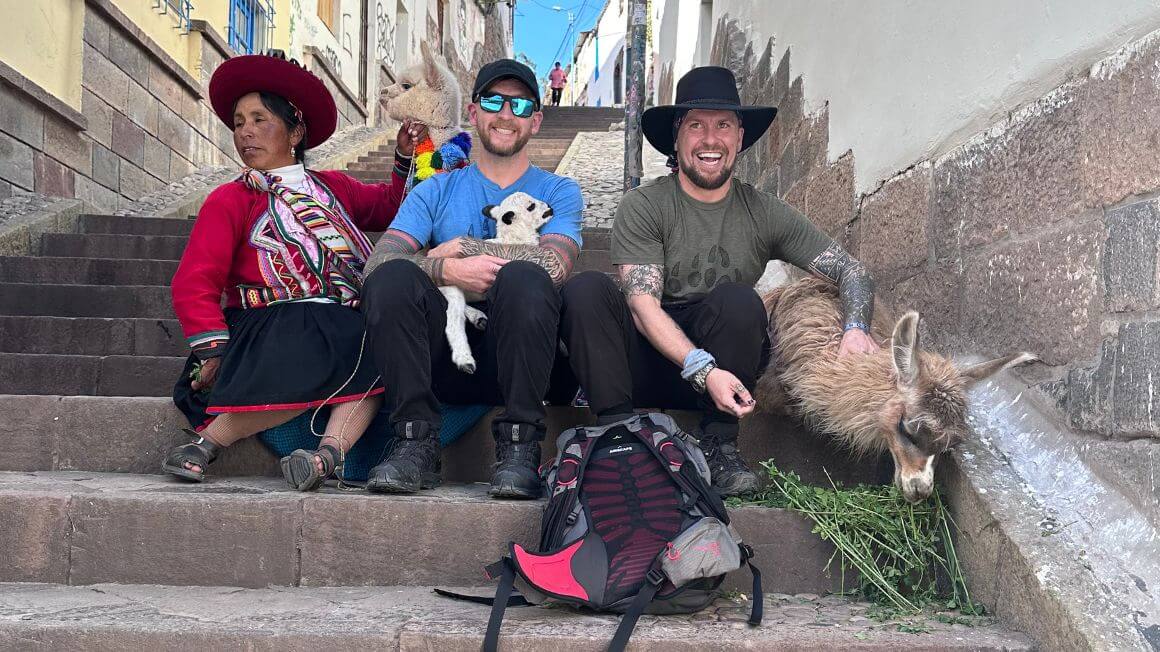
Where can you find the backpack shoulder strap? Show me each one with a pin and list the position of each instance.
(652, 585)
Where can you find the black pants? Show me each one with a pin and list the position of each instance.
(406, 315)
(556, 92)
(619, 369)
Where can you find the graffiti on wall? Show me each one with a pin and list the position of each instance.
(332, 58)
(347, 41)
(385, 31)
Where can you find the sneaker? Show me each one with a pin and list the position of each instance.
(731, 475)
(413, 464)
(517, 472)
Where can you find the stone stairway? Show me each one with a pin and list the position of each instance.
(101, 552)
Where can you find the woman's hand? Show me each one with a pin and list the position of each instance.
(207, 374)
(410, 134)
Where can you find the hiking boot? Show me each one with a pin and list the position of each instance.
(731, 475)
(517, 455)
(413, 464)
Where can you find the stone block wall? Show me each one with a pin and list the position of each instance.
(1040, 234)
(146, 121)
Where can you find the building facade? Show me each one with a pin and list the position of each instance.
(105, 100)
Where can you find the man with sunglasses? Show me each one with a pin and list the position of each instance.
(406, 313)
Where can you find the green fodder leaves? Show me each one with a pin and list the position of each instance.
(903, 553)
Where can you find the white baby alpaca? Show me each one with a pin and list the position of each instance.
(518, 220)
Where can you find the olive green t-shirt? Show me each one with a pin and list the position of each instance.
(702, 245)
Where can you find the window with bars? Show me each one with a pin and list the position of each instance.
(181, 11)
(328, 12)
(251, 28)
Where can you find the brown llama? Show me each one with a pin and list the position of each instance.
(902, 399)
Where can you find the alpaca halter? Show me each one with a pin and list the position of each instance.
(429, 160)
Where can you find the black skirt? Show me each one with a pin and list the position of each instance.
(289, 356)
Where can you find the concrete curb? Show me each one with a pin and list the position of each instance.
(569, 155)
(20, 234)
(1033, 573)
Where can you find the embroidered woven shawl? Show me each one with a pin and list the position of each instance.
(313, 249)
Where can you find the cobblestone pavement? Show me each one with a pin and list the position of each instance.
(25, 204)
(596, 161)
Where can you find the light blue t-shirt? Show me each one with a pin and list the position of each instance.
(448, 206)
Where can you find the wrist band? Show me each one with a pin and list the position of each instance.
(695, 361)
(856, 324)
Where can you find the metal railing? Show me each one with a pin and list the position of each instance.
(251, 27)
(182, 10)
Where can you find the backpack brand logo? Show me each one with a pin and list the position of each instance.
(620, 449)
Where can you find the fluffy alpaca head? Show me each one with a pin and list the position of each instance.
(427, 92)
(930, 414)
(518, 218)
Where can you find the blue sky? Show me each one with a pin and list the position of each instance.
(540, 29)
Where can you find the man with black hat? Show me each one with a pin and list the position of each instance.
(406, 313)
(688, 249)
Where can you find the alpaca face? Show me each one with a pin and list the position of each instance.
(930, 415)
(427, 92)
(518, 218)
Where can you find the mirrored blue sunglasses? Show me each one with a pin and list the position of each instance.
(522, 107)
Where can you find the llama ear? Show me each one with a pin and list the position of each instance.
(904, 349)
(431, 70)
(984, 370)
(487, 211)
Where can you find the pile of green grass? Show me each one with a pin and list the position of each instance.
(903, 553)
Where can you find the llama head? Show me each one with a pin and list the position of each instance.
(518, 218)
(427, 92)
(930, 414)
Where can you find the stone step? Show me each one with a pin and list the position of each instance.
(134, 225)
(147, 301)
(120, 246)
(85, 271)
(258, 532)
(116, 617)
(89, 375)
(97, 245)
(63, 433)
(92, 336)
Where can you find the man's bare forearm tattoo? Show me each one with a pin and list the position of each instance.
(855, 285)
(642, 279)
(555, 253)
(396, 244)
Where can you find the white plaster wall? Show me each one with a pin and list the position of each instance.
(611, 28)
(911, 79)
(341, 47)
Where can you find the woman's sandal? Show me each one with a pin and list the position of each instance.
(197, 453)
(301, 470)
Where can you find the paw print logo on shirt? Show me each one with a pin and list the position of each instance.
(706, 272)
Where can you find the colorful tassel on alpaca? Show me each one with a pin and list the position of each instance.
(429, 160)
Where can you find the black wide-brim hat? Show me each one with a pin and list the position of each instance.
(253, 73)
(711, 88)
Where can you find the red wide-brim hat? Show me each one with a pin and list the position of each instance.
(254, 73)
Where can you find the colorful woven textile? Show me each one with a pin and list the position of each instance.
(430, 160)
(315, 250)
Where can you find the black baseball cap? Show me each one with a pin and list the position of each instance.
(505, 69)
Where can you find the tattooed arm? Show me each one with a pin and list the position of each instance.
(397, 244)
(555, 253)
(642, 286)
(855, 286)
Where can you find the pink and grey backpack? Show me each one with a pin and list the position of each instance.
(631, 526)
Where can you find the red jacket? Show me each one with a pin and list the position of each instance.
(219, 256)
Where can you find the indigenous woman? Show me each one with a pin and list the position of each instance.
(285, 245)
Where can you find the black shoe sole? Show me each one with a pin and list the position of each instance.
(744, 486)
(379, 486)
(510, 490)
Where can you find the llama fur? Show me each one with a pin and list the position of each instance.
(518, 219)
(904, 400)
(427, 92)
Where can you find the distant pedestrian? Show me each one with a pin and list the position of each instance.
(557, 79)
